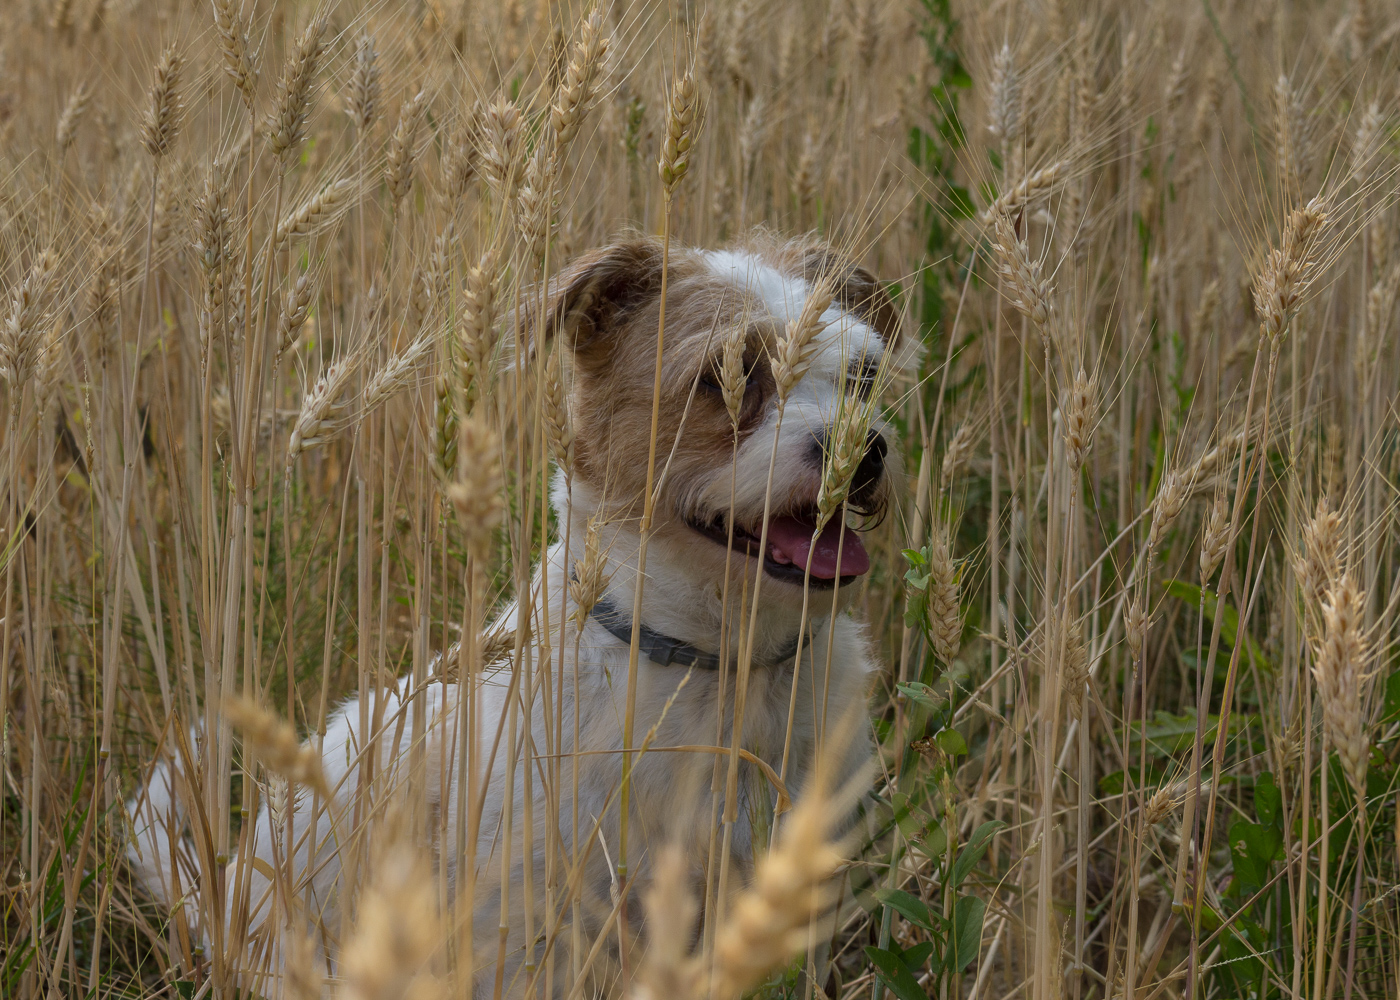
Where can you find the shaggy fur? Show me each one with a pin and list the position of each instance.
(604, 310)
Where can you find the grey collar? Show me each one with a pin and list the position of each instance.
(663, 649)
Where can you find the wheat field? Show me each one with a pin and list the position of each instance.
(274, 437)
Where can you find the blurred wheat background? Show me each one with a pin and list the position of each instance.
(1139, 707)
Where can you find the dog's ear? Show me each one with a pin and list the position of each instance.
(598, 292)
(858, 291)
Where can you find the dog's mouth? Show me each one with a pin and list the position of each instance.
(837, 553)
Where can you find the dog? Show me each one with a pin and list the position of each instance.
(708, 558)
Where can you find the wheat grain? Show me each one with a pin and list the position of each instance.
(400, 372)
(1340, 671)
(1004, 115)
(769, 921)
(575, 94)
(276, 745)
(733, 379)
(681, 126)
(1080, 418)
(323, 410)
(161, 125)
(558, 427)
(322, 209)
(397, 929)
(1171, 497)
(795, 349)
(1290, 268)
(1034, 294)
(286, 127)
(240, 59)
(502, 150)
(296, 306)
(362, 104)
(403, 152)
(1215, 537)
(73, 112)
(22, 336)
(590, 577)
(476, 494)
(944, 605)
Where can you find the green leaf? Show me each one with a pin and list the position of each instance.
(909, 906)
(971, 854)
(935, 842)
(967, 932)
(1391, 712)
(918, 691)
(895, 974)
(951, 742)
(1268, 801)
(917, 957)
(1253, 847)
(1191, 593)
(1112, 784)
(960, 202)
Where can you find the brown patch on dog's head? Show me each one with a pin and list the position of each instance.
(599, 291)
(606, 312)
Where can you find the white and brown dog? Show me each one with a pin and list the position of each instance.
(714, 487)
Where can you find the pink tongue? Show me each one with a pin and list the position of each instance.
(790, 541)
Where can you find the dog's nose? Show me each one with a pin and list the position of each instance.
(872, 466)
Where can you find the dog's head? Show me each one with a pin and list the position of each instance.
(605, 310)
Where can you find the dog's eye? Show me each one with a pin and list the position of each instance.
(709, 381)
(861, 381)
